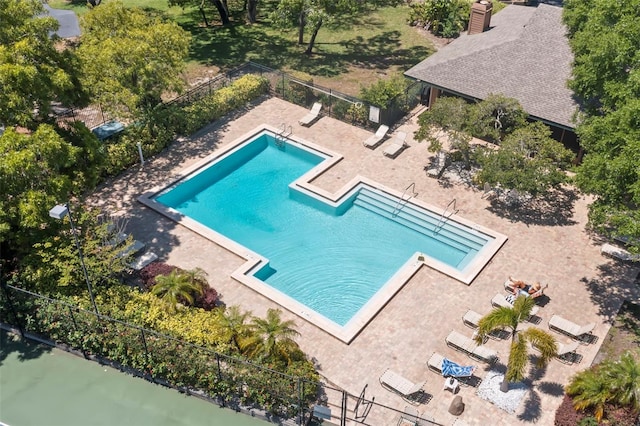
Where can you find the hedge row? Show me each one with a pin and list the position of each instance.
(163, 125)
(165, 359)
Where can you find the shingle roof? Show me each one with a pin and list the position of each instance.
(524, 55)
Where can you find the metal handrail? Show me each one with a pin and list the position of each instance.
(444, 216)
(402, 202)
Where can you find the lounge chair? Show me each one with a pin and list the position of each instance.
(411, 417)
(131, 250)
(394, 382)
(374, 140)
(566, 352)
(447, 368)
(398, 145)
(140, 262)
(500, 301)
(619, 253)
(312, 115)
(467, 345)
(575, 331)
(472, 320)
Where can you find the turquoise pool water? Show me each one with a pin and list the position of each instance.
(331, 259)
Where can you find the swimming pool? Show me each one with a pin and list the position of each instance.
(326, 258)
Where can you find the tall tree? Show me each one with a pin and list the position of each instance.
(313, 14)
(130, 58)
(34, 177)
(221, 6)
(528, 160)
(495, 117)
(510, 318)
(605, 40)
(33, 73)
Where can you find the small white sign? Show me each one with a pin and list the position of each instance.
(374, 114)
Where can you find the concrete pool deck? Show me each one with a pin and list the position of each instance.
(552, 248)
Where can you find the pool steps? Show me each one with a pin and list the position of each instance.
(414, 218)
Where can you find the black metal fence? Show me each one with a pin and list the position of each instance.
(202, 372)
(336, 104)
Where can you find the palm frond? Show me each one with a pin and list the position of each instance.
(499, 318)
(522, 308)
(544, 342)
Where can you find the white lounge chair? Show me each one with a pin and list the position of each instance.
(312, 115)
(394, 382)
(398, 145)
(566, 352)
(472, 320)
(435, 364)
(575, 331)
(374, 140)
(470, 347)
(130, 250)
(500, 301)
(619, 253)
(140, 262)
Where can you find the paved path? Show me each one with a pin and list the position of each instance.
(547, 243)
(69, 25)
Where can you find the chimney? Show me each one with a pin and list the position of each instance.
(480, 16)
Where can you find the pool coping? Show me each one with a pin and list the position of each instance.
(254, 261)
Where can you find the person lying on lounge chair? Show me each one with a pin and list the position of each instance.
(520, 288)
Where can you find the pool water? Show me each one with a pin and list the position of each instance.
(332, 260)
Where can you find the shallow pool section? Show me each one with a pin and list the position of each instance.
(334, 260)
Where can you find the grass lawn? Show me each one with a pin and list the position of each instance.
(357, 49)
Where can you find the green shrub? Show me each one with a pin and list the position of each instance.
(386, 93)
(161, 126)
(445, 18)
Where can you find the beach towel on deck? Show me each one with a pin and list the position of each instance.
(450, 368)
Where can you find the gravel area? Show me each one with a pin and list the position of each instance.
(509, 401)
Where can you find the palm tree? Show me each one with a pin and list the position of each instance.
(590, 389)
(272, 338)
(176, 288)
(235, 323)
(510, 318)
(616, 382)
(625, 381)
(196, 276)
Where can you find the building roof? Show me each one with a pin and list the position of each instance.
(525, 55)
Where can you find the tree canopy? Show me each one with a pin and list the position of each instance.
(33, 73)
(528, 160)
(605, 39)
(130, 58)
(311, 14)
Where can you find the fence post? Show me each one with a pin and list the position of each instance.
(300, 398)
(224, 401)
(13, 310)
(146, 353)
(343, 412)
(75, 326)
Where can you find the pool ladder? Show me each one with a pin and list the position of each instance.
(402, 201)
(446, 214)
(282, 135)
